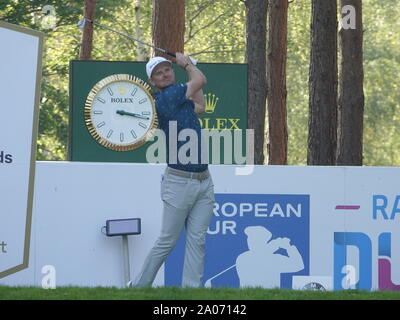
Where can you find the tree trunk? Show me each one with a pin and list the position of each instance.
(323, 84)
(168, 25)
(276, 80)
(256, 24)
(87, 35)
(351, 94)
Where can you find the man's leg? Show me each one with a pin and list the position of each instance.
(197, 224)
(178, 195)
(172, 225)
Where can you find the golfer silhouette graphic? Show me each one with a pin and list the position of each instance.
(262, 265)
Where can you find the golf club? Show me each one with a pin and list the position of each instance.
(82, 22)
(208, 282)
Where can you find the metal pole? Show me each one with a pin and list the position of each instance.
(127, 267)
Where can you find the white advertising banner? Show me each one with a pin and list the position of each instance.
(316, 228)
(20, 72)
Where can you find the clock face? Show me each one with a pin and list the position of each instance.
(120, 112)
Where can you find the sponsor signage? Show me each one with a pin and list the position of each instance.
(253, 240)
(314, 228)
(20, 65)
(224, 120)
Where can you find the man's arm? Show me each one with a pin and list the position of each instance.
(199, 102)
(197, 81)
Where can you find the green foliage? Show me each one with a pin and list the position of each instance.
(62, 42)
(215, 32)
(381, 85)
(381, 20)
(298, 57)
(53, 124)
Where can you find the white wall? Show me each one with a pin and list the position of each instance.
(73, 201)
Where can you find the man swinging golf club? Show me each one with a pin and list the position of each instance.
(187, 189)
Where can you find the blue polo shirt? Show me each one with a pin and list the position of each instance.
(172, 105)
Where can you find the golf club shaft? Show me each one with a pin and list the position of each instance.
(217, 275)
(132, 38)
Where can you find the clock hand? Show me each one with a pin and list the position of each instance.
(125, 113)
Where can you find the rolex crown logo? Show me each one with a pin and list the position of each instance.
(211, 102)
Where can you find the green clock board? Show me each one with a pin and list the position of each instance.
(226, 106)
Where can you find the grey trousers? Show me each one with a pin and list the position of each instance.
(187, 203)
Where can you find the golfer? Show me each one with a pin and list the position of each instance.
(187, 190)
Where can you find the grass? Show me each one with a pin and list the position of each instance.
(174, 293)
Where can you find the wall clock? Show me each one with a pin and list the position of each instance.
(120, 112)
